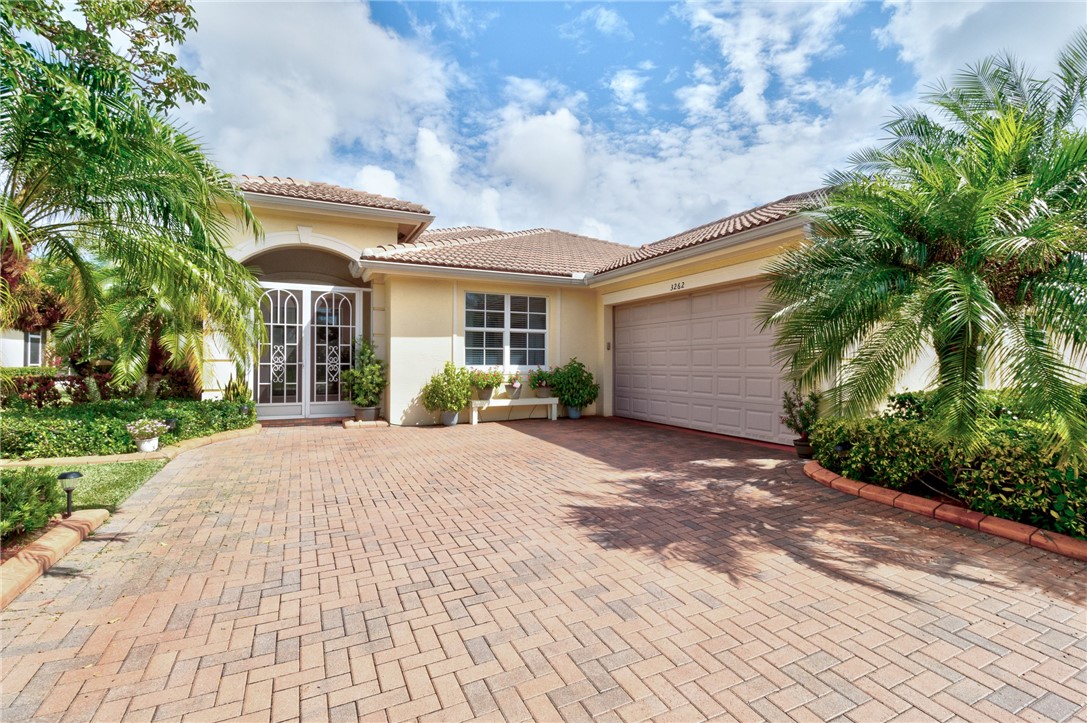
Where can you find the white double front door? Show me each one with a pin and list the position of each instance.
(311, 332)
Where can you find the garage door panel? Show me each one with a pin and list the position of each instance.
(699, 361)
(702, 384)
(759, 389)
(730, 386)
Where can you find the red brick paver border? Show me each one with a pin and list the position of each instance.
(1009, 530)
(551, 570)
(32, 561)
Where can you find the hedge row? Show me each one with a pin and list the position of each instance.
(29, 497)
(1014, 474)
(99, 427)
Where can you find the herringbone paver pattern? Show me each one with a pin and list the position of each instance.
(548, 570)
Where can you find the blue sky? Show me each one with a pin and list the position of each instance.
(628, 121)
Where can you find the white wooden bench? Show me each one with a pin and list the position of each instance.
(552, 402)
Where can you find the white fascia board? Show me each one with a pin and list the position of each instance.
(785, 224)
(331, 208)
(366, 267)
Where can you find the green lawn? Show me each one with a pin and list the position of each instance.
(106, 486)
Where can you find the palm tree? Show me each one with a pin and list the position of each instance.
(91, 170)
(966, 234)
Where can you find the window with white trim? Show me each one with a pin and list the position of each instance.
(32, 348)
(505, 330)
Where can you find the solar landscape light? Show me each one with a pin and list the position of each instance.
(69, 480)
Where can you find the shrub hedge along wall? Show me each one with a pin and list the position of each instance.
(1012, 475)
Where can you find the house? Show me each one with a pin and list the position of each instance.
(668, 329)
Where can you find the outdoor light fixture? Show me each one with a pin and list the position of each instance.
(68, 480)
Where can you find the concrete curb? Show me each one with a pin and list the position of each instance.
(996, 526)
(17, 574)
(164, 453)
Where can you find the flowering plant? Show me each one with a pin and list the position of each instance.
(486, 378)
(514, 379)
(539, 377)
(146, 428)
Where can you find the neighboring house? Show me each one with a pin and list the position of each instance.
(668, 328)
(21, 348)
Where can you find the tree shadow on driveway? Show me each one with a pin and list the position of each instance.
(746, 511)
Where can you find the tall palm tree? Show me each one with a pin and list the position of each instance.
(966, 233)
(91, 170)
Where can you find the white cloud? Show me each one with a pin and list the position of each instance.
(761, 42)
(322, 92)
(938, 39)
(458, 17)
(626, 85)
(605, 21)
(296, 87)
(376, 179)
(545, 153)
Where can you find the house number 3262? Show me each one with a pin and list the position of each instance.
(676, 286)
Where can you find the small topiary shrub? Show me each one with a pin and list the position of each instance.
(366, 380)
(29, 497)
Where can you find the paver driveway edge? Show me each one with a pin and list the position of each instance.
(33, 560)
(996, 526)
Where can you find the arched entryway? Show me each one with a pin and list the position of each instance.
(313, 312)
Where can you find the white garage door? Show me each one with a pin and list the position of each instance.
(699, 361)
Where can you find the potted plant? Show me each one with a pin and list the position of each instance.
(145, 433)
(513, 385)
(486, 380)
(540, 380)
(575, 387)
(366, 381)
(801, 413)
(237, 390)
(448, 392)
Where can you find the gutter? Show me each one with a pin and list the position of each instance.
(365, 268)
(785, 224)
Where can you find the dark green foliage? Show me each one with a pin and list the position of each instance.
(574, 385)
(1015, 473)
(800, 412)
(890, 452)
(366, 379)
(29, 497)
(99, 427)
(1015, 476)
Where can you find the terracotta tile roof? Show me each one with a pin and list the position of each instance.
(736, 223)
(536, 251)
(316, 191)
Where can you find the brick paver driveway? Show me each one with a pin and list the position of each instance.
(538, 569)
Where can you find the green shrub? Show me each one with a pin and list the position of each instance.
(99, 427)
(449, 390)
(1016, 476)
(366, 380)
(890, 452)
(574, 385)
(29, 497)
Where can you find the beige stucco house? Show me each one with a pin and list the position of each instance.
(668, 328)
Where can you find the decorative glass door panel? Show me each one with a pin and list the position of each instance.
(279, 370)
(311, 341)
(333, 345)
